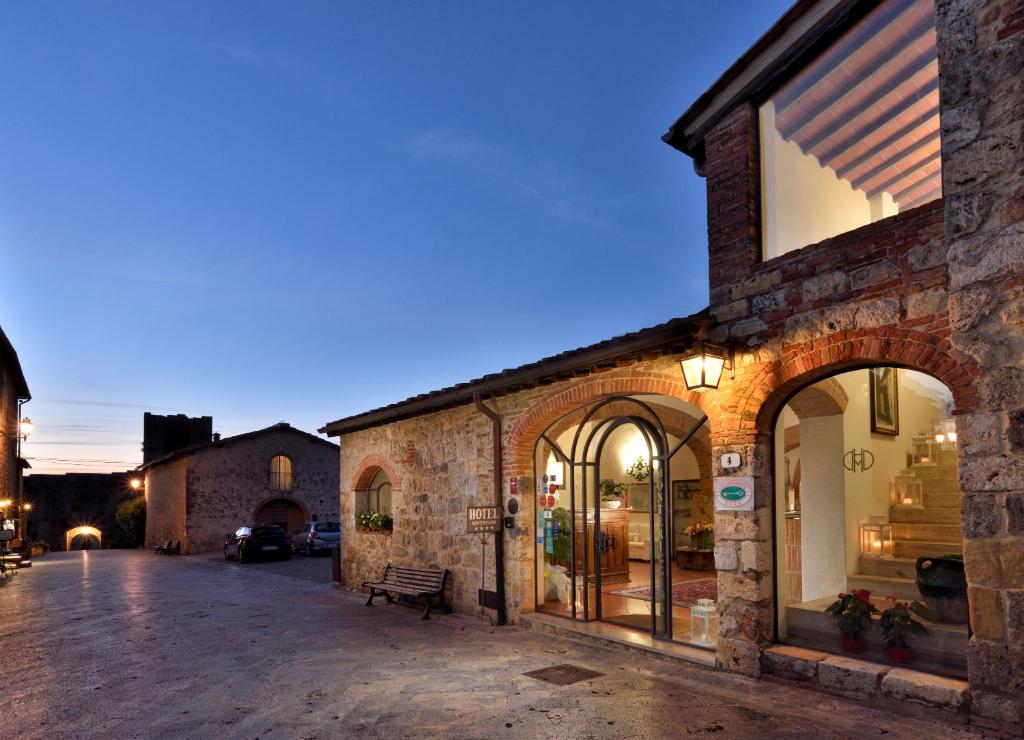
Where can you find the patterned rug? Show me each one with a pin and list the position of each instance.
(683, 594)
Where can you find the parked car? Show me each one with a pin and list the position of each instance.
(253, 543)
(317, 537)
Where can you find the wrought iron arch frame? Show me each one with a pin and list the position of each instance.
(581, 460)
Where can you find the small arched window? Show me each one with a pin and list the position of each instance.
(281, 473)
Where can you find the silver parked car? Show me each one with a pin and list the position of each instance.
(317, 537)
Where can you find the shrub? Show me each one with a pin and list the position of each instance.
(131, 522)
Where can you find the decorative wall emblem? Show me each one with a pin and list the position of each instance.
(858, 460)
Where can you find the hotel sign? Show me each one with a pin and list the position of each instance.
(734, 494)
(482, 519)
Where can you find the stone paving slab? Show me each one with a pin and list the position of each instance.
(125, 644)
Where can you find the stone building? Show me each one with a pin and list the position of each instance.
(864, 169)
(278, 475)
(13, 393)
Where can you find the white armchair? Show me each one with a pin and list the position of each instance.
(639, 542)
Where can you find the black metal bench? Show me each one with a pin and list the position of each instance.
(420, 583)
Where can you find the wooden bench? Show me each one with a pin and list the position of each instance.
(420, 583)
(171, 547)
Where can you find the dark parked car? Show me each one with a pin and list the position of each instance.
(253, 543)
(317, 537)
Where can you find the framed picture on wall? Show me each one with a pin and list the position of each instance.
(885, 401)
(683, 490)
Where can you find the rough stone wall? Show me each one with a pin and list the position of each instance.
(441, 463)
(438, 465)
(227, 483)
(165, 502)
(874, 295)
(981, 55)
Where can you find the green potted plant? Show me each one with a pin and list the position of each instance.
(561, 547)
(613, 495)
(852, 613)
(898, 624)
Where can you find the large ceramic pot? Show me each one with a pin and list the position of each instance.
(943, 587)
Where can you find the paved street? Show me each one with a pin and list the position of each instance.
(116, 644)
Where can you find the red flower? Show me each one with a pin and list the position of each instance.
(863, 595)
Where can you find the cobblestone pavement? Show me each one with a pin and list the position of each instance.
(121, 644)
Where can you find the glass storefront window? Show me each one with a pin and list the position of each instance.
(854, 137)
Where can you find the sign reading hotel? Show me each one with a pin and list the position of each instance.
(482, 519)
(734, 494)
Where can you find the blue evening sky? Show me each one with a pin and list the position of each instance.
(300, 211)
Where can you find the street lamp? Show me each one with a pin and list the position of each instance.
(136, 484)
(25, 427)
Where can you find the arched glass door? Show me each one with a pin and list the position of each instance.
(607, 545)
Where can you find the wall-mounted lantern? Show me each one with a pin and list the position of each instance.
(702, 369)
(876, 538)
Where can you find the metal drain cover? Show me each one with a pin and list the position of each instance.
(563, 675)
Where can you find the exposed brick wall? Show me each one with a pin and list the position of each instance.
(732, 172)
(981, 54)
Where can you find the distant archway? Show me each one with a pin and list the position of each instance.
(83, 538)
(285, 513)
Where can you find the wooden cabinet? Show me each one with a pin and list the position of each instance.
(611, 545)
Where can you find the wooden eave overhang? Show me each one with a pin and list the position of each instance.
(805, 30)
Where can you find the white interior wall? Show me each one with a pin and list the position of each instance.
(822, 513)
(803, 202)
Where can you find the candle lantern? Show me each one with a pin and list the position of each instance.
(876, 537)
(906, 489)
(701, 617)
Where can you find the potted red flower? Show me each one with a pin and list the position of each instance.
(852, 613)
(898, 624)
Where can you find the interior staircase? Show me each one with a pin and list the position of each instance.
(932, 528)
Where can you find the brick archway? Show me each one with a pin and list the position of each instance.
(804, 364)
(675, 422)
(368, 467)
(625, 382)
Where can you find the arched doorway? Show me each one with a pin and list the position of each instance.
(867, 497)
(83, 538)
(281, 512)
(618, 493)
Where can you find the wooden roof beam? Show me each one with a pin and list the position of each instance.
(877, 68)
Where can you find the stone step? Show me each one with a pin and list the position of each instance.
(941, 485)
(927, 532)
(923, 515)
(942, 500)
(884, 586)
(887, 567)
(929, 471)
(915, 549)
(942, 651)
